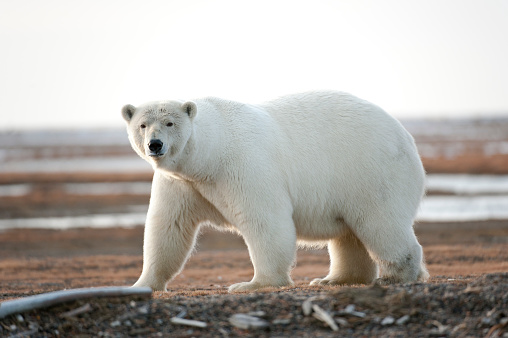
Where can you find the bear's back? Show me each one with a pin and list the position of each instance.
(343, 147)
(336, 124)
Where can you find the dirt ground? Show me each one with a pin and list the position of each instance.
(37, 261)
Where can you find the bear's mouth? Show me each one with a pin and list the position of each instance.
(155, 155)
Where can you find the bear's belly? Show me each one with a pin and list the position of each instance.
(319, 228)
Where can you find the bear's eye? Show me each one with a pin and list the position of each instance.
(169, 124)
(142, 126)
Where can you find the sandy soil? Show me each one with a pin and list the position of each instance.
(35, 261)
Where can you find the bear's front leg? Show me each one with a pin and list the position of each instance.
(170, 231)
(272, 248)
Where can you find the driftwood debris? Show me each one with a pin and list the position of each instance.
(325, 317)
(246, 322)
(80, 310)
(58, 297)
(188, 322)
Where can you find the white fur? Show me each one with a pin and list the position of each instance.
(318, 167)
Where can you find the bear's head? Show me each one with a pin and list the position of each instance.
(158, 132)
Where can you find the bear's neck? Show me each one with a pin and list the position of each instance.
(200, 159)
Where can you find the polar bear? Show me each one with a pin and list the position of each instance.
(323, 168)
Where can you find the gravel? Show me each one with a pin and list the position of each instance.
(456, 308)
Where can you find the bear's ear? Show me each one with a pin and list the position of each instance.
(190, 108)
(128, 112)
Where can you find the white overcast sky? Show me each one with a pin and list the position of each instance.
(76, 63)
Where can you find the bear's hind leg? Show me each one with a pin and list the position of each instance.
(409, 268)
(396, 250)
(350, 263)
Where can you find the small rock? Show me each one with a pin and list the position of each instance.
(403, 320)
(246, 322)
(472, 289)
(459, 327)
(388, 321)
(440, 328)
(116, 323)
(127, 323)
(350, 310)
(491, 312)
(20, 318)
(182, 314)
(486, 321)
(342, 322)
(143, 310)
(281, 321)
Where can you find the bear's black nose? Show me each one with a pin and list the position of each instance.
(155, 146)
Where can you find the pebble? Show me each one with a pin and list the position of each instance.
(350, 310)
(388, 321)
(20, 318)
(486, 321)
(342, 322)
(284, 314)
(440, 328)
(143, 310)
(403, 320)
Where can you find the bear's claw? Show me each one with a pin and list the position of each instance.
(245, 286)
(324, 281)
(254, 286)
